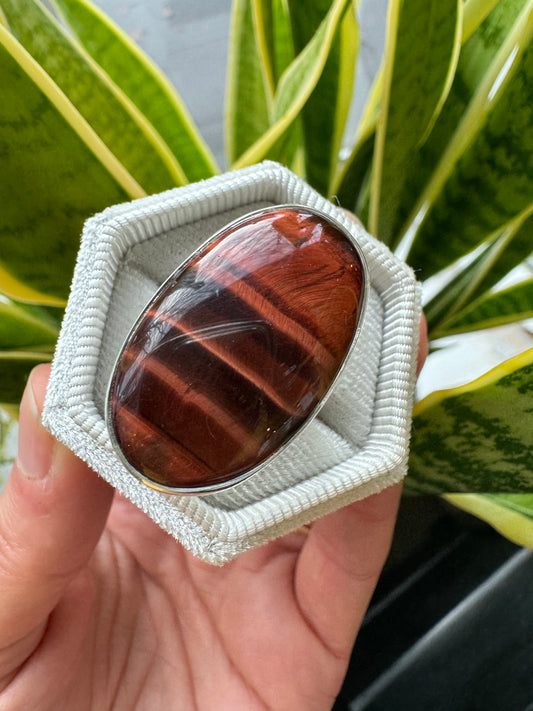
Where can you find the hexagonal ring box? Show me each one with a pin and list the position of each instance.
(355, 445)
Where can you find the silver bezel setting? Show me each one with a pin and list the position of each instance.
(204, 490)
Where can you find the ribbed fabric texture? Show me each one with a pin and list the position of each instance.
(358, 444)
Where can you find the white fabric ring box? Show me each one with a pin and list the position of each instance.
(356, 446)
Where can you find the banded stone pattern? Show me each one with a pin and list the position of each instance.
(236, 350)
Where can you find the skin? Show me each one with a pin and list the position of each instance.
(103, 610)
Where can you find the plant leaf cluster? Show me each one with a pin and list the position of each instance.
(440, 168)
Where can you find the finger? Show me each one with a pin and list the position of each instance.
(423, 344)
(52, 512)
(340, 564)
(343, 556)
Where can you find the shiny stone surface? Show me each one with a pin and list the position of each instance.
(236, 350)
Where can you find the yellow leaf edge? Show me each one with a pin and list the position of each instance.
(475, 11)
(258, 22)
(71, 115)
(350, 40)
(231, 92)
(511, 524)
(450, 76)
(258, 150)
(12, 411)
(366, 127)
(27, 318)
(393, 18)
(491, 376)
(15, 289)
(152, 68)
(481, 104)
(145, 127)
(43, 356)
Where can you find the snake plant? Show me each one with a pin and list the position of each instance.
(440, 168)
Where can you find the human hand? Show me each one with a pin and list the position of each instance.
(103, 610)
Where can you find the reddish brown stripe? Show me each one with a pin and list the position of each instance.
(280, 389)
(281, 322)
(304, 295)
(153, 453)
(317, 267)
(202, 372)
(237, 349)
(179, 391)
(198, 421)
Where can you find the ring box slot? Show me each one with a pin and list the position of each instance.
(358, 443)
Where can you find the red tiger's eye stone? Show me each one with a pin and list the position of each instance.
(236, 350)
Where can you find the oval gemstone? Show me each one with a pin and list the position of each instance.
(236, 350)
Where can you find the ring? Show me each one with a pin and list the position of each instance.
(237, 351)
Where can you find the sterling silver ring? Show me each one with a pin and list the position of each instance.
(237, 351)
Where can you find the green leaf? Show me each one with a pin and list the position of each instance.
(355, 171)
(146, 86)
(325, 112)
(15, 367)
(477, 56)
(477, 437)
(422, 50)
(497, 258)
(276, 51)
(23, 326)
(494, 309)
(273, 38)
(456, 291)
(248, 103)
(521, 503)
(515, 245)
(296, 85)
(485, 176)
(282, 51)
(264, 32)
(55, 173)
(110, 113)
(475, 11)
(510, 514)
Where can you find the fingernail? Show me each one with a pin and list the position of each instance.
(35, 444)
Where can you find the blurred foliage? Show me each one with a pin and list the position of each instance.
(440, 168)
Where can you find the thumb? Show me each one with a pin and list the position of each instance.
(52, 513)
